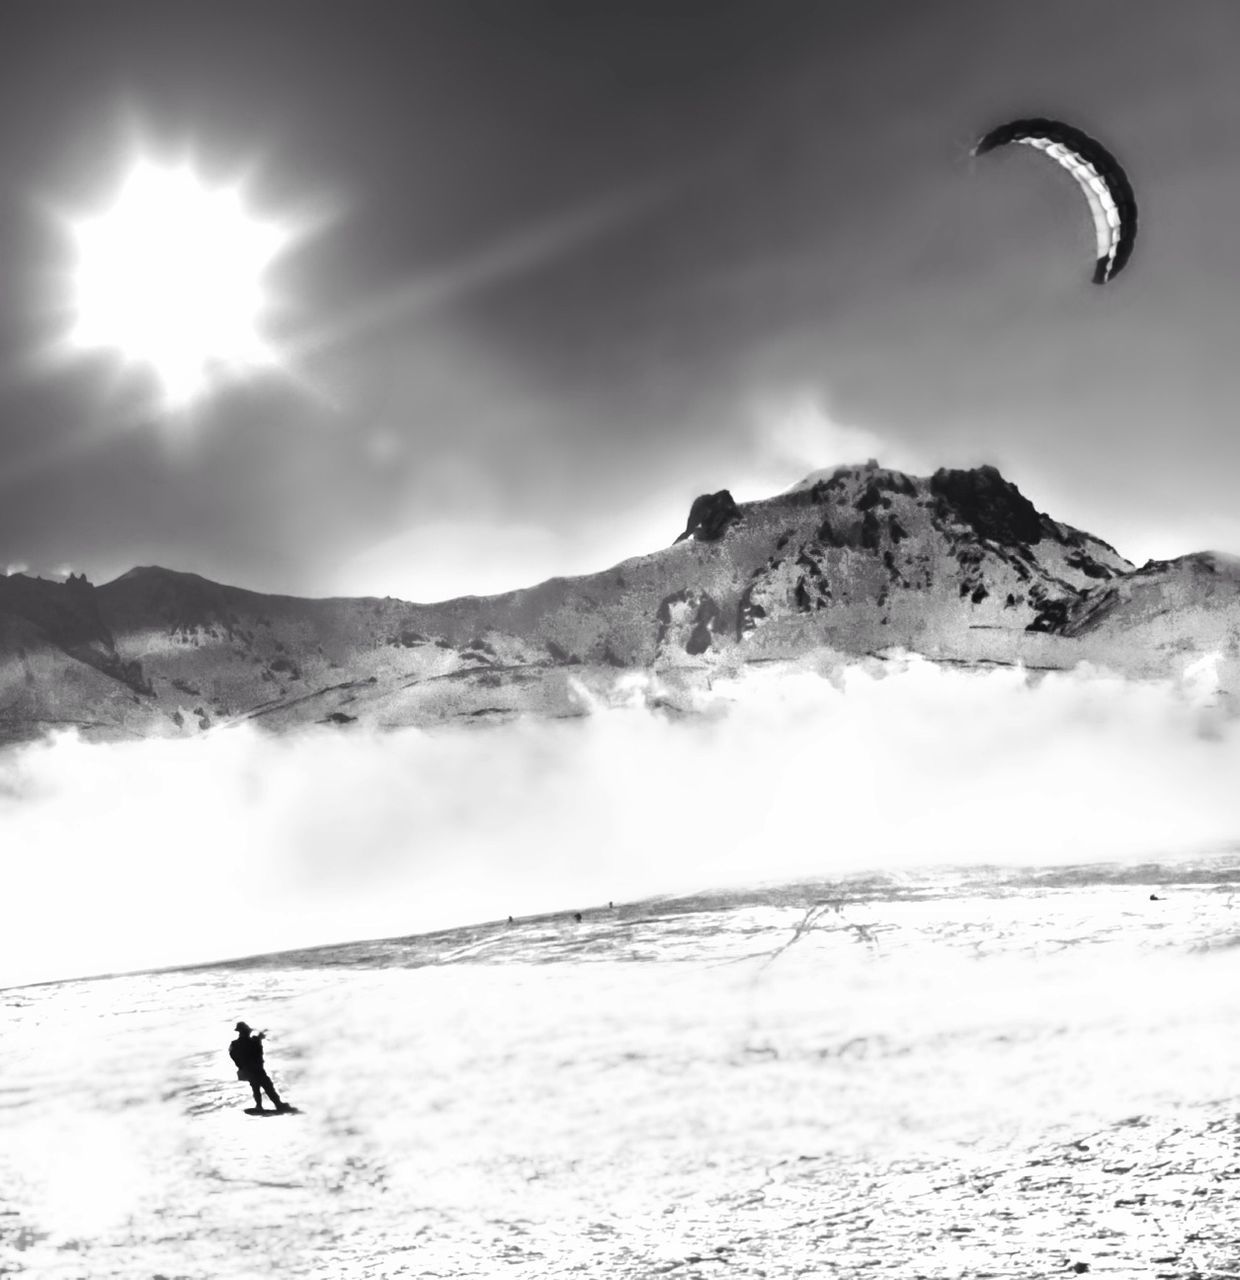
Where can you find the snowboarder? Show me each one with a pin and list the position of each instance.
(246, 1051)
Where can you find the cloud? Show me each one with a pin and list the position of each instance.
(795, 433)
(159, 852)
(61, 571)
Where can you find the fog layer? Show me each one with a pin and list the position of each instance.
(162, 852)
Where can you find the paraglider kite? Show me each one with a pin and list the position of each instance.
(1104, 183)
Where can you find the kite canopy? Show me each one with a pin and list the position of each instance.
(1104, 183)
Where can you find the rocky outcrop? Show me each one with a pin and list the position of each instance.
(66, 617)
(994, 507)
(687, 620)
(710, 517)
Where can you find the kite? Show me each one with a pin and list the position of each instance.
(1099, 175)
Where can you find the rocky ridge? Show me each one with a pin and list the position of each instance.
(851, 564)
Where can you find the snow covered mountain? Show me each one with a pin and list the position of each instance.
(853, 563)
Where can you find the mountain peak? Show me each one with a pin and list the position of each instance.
(854, 561)
(157, 572)
(980, 496)
(826, 474)
(995, 507)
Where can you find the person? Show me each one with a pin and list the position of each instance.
(246, 1051)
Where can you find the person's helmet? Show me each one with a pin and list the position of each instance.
(241, 1026)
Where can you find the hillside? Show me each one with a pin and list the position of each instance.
(855, 562)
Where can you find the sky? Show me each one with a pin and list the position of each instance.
(555, 267)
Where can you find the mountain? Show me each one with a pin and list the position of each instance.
(853, 563)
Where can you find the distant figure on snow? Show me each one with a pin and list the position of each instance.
(577, 916)
(246, 1051)
(1155, 898)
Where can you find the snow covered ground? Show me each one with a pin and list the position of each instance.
(935, 1078)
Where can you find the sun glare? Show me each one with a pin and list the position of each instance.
(170, 277)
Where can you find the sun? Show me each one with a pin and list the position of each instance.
(170, 277)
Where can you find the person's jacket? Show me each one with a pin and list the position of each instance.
(247, 1055)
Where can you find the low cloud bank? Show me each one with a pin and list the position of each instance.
(163, 852)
